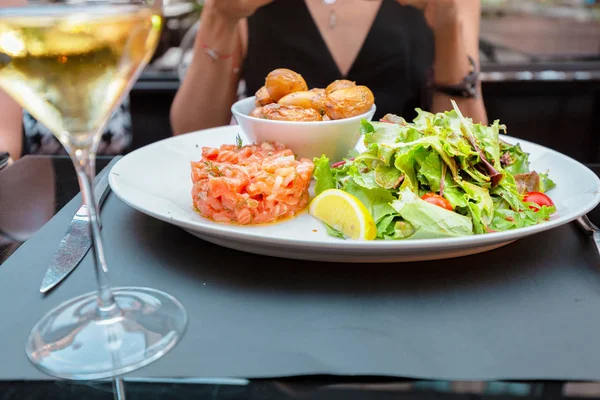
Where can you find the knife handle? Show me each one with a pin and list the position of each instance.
(101, 182)
(587, 225)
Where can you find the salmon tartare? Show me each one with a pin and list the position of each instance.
(252, 184)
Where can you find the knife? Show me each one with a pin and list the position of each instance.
(591, 229)
(77, 241)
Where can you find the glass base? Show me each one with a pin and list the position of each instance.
(74, 342)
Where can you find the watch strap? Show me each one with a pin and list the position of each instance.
(467, 88)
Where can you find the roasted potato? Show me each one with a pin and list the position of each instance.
(262, 97)
(339, 84)
(282, 112)
(258, 112)
(317, 90)
(283, 81)
(305, 99)
(349, 102)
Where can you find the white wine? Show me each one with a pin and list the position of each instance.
(70, 65)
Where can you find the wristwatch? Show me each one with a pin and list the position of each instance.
(465, 89)
(5, 160)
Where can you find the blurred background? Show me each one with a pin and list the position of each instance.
(540, 62)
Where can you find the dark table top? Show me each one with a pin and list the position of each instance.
(35, 188)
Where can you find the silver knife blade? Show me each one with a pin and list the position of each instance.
(76, 241)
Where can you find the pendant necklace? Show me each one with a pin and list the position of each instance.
(332, 13)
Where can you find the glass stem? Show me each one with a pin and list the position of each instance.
(85, 168)
(91, 172)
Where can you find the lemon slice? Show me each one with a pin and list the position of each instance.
(345, 213)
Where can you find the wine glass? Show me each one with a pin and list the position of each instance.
(70, 63)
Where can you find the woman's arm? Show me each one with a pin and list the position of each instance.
(455, 25)
(210, 86)
(11, 117)
(11, 125)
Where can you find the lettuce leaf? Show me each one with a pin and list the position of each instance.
(388, 177)
(430, 171)
(480, 204)
(386, 226)
(430, 221)
(546, 183)
(507, 190)
(514, 159)
(376, 199)
(489, 140)
(382, 133)
(402, 230)
(331, 231)
(323, 175)
(505, 219)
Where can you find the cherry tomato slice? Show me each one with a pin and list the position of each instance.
(437, 200)
(538, 198)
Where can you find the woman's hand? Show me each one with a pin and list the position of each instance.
(439, 14)
(234, 10)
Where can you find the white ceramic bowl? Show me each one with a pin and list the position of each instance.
(305, 139)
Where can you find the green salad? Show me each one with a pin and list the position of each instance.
(440, 176)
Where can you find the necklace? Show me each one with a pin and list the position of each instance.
(332, 13)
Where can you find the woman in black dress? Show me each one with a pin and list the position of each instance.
(410, 53)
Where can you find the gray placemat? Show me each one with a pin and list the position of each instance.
(530, 310)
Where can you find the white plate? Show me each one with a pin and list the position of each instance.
(156, 181)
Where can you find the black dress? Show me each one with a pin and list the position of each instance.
(116, 138)
(393, 62)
